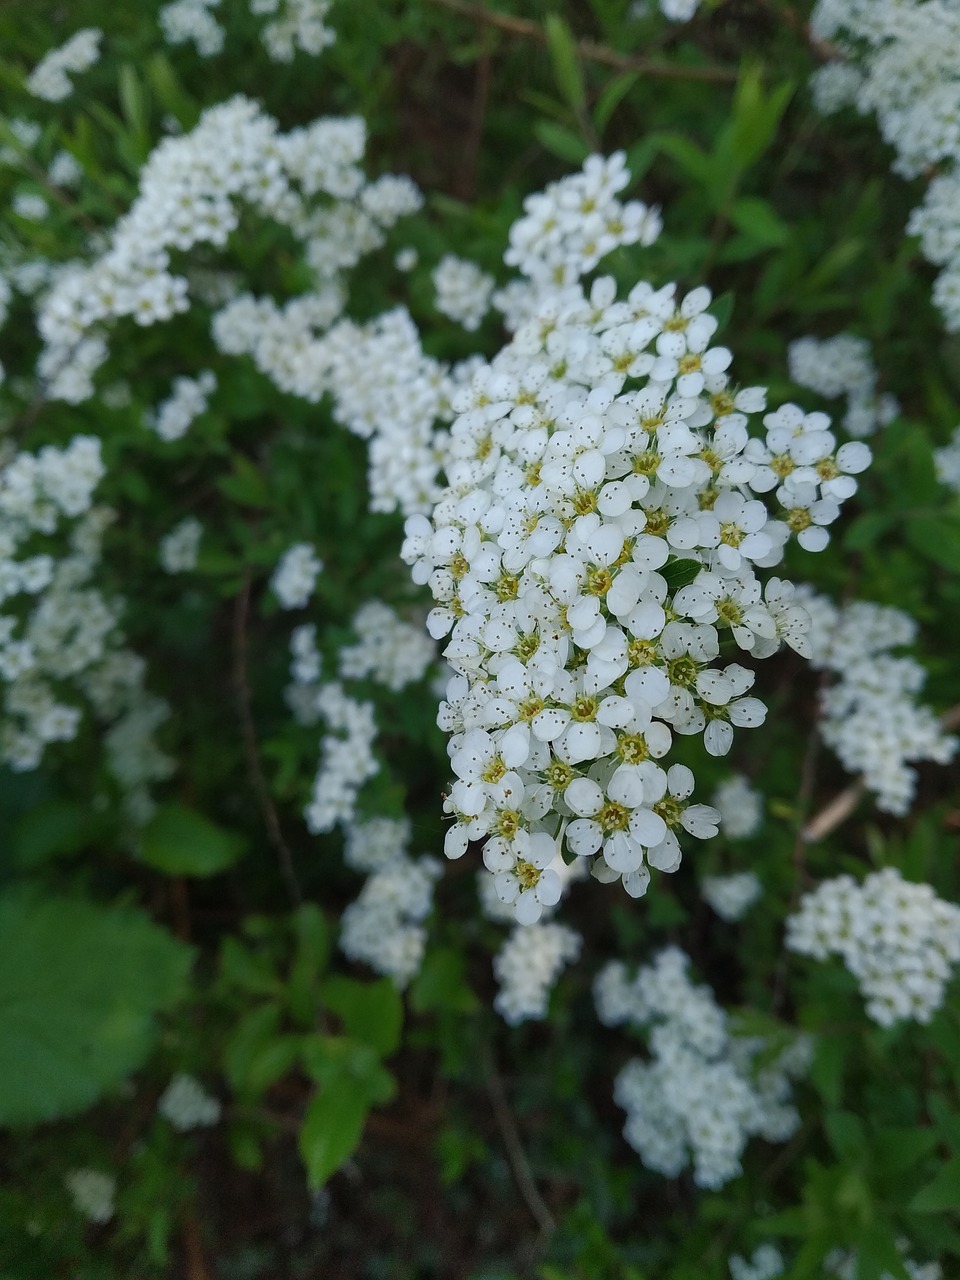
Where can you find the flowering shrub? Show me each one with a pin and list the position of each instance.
(427, 511)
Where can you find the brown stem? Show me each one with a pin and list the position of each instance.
(589, 50)
(519, 1164)
(251, 750)
(844, 803)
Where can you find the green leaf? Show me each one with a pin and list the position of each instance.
(80, 988)
(758, 220)
(371, 1012)
(440, 984)
(942, 1194)
(181, 841)
(332, 1127)
(247, 1044)
(846, 1134)
(611, 98)
(50, 830)
(936, 537)
(566, 63)
(561, 142)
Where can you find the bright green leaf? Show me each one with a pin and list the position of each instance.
(181, 841)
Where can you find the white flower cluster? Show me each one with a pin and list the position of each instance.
(296, 575)
(843, 366)
(871, 717)
(191, 190)
(180, 548)
(50, 78)
(392, 652)
(65, 170)
(347, 760)
(298, 24)
(679, 10)
(593, 544)
(765, 1264)
(190, 397)
(731, 896)
(30, 206)
(92, 1193)
(576, 221)
(898, 939)
(705, 1092)
(527, 967)
(904, 66)
(192, 22)
(740, 807)
(463, 291)
(947, 462)
(68, 635)
(187, 1105)
(384, 927)
(840, 1264)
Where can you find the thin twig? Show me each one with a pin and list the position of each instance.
(519, 1164)
(843, 804)
(589, 50)
(250, 749)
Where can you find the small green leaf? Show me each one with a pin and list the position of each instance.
(936, 537)
(332, 1128)
(181, 841)
(942, 1195)
(611, 98)
(440, 983)
(561, 142)
(370, 1011)
(566, 62)
(758, 220)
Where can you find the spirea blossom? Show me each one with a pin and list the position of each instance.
(899, 940)
(593, 545)
(192, 22)
(50, 78)
(180, 547)
(296, 575)
(740, 807)
(705, 1090)
(392, 652)
(843, 365)
(527, 967)
(731, 896)
(92, 1193)
(187, 1105)
(904, 67)
(384, 926)
(189, 398)
(947, 462)
(766, 1263)
(463, 290)
(871, 716)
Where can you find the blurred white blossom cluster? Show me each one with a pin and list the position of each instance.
(527, 967)
(93, 1193)
(903, 65)
(188, 399)
(947, 462)
(705, 1090)
(294, 25)
(593, 545)
(187, 1105)
(50, 78)
(384, 927)
(180, 548)
(871, 716)
(59, 635)
(898, 939)
(767, 1263)
(192, 22)
(462, 290)
(731, 896)
(389, 652)
(295, 576)
(843, 366)
(740, 806)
